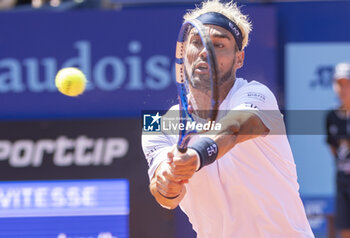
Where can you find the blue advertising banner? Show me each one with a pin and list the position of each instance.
(63, 152)
(124, 59)
(127, 56)
(82, 208)
(313, 44)
(320, 213)
(64, 198)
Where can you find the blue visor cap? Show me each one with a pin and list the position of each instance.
(215, 18)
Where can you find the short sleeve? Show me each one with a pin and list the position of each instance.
(259, 99)
(157, 145)
(331, 140)
(155, 148)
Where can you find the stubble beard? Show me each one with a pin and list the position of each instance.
(202, 82)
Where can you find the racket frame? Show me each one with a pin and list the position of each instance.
(184, 136)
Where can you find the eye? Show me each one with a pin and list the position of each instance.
(219, 45)
(196, 42)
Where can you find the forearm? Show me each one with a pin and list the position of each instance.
(238, 127)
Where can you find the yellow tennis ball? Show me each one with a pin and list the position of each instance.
(70, 81)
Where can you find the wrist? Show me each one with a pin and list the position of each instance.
(207, 151)
(166, 202)
(170, 198)
(198, 159)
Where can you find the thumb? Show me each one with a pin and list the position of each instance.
(170, 158)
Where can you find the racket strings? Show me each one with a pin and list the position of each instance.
(198, 100)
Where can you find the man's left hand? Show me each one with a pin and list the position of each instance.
(183, 165)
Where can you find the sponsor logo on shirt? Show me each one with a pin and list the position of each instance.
(251, 105)
(212, 149)
(256, 95)
(149, 155)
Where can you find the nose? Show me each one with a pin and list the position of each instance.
(203, 54)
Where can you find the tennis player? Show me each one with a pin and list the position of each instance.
(239, 181)
(338, 138)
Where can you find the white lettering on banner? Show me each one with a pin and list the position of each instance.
(19, 75)
(46, 197)
(82, 151)
(40, 197)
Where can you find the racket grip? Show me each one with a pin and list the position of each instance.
(182, 150)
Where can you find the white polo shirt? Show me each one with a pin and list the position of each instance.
(252, 191)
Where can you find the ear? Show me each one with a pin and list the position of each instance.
(239, 59)
(336, 87)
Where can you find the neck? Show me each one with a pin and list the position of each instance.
(225, 88)
(346, 106)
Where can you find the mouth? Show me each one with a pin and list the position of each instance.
(201, 68)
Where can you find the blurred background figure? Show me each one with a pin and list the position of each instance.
(58, 5)
(7, 4)
(338, 138)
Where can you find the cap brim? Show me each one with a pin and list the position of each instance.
(340, 78)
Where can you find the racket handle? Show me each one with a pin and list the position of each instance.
(182, 150)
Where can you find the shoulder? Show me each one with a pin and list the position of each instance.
(173, 108)
(336, 115)
(257, 90)
(331, 114)
(254, 93)
(161, 137)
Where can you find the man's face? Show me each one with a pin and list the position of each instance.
(342, 88)
(228, 57)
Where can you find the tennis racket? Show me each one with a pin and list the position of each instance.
(195, 101)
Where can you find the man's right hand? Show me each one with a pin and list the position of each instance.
(167, 191)
(165, 182)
